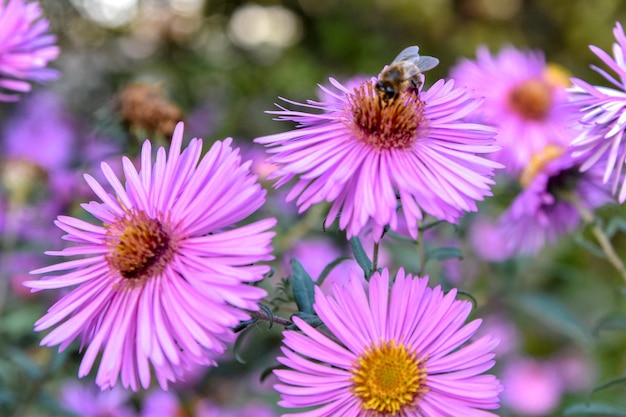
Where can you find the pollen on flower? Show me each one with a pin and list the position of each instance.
(139, 246)
(389, 379)
(538, 161)
(532, 99)
(385, 124)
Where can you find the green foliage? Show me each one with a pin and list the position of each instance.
(552, 313)
(361, 257)
(303, 287)
(594, 409)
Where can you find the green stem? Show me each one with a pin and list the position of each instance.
(421, 252)
(375, 257)
(8, 241)
(603, 240)
(261, 315)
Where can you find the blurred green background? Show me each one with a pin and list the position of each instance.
(236, 57)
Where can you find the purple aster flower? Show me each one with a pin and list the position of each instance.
(167, 404)
(533, 387)
(161, 404)
(487, 240)
(166, 274)
(603, 121)
(85, 401)
(544, 210)
(25, 47)
(402, 351)
(253, 408)
(525, 98)
(369, 156)
(42, 131)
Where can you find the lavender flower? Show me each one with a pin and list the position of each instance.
(26, 48)
(525, 99)
(166, 275)
(546, 209)
(404, 350)
(603, 120)
(368, 156)
(85, 401)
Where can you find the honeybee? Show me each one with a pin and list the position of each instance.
(404, 73)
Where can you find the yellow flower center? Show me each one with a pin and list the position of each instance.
(384, 124)
(139, 247)
(557, 76)
(538, 161)
(531, 99)
(389, 379)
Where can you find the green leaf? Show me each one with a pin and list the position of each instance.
(468, 295)
(239, 343)
(361, 257)
(19, 322)
(58, 361)
(430, 225)
(243, 325)
(24, 363)
(611, 322)
(616, 224)
(303, 287)
(329, 268)
(268, 371)
(269, 313)
(594, 409)
(401, 238)
(553, 314)
(7, 398)
(51, 405)
(443, 253)
(311, 319)
(615, 381)
(591, 246)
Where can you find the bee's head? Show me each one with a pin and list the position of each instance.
(386, 89)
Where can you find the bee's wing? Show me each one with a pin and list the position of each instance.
(408, 54)
(410, 70)
(426, 63)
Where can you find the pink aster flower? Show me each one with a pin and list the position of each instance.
(85, 401)
(603, 120)
(532, 387)
(26, 47)
(166, 273)
(167, 404)
(368, 156)
(546, 209)
(524, 98)
(404, 350)
(41, 131)
(487, 240)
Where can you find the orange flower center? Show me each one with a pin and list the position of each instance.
(139, 247)
(531, 99)
(389, 379)
(384, 124)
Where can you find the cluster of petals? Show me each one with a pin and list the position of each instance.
(523, 97)
(549, 207)
(426, 322)
(441, 172)
(603, 119)
(180, 314)
(26, 48)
